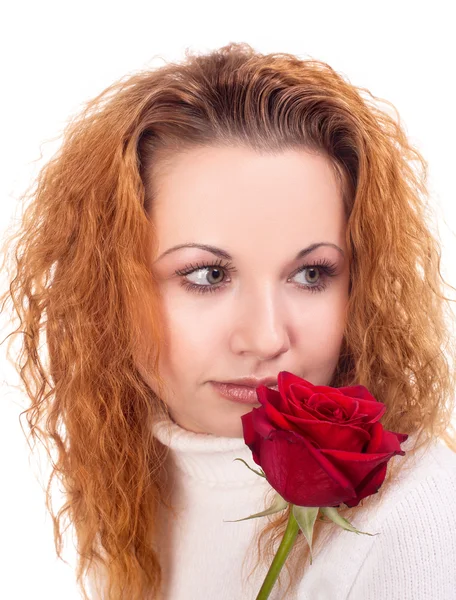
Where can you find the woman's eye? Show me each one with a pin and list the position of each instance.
(212, 277)
(211, 274)
(311, 273)
(207, 277)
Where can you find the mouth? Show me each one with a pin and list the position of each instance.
(243, 394)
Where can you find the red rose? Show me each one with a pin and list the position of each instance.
(319, 445)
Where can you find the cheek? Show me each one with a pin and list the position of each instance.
(321, 330)
(191, 338)
(320, 350)
(323, 338)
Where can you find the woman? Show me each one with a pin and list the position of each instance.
(298, 206)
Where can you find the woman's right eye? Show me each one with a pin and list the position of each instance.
(218, 267)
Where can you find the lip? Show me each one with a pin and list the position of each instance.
(243, 394)
(251, 381)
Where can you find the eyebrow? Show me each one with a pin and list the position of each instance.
(224, 254)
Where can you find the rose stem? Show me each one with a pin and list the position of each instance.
(286, 545)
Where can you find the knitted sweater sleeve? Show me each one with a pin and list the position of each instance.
(414, 558)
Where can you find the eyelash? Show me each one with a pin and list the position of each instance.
(329, 269)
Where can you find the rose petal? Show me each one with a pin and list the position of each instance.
(328, 409)
(262, 425)
(287, 382)
(350, 404)
(251, 437)
(333, 436)
(302, 410)
(374, 411)
(281, 404)
(263, 394)
(368, 405)
(384, 441)
(278, 419)
(376, 439)
(300, 474)
(284, 405)
(370, 484)
(286, 379)
(357, 391)
(355, 466)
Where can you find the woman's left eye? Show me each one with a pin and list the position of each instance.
(324, 269)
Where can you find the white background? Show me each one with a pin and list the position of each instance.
(57, 55)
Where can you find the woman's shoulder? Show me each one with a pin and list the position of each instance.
(413, 555)
(411, 543)
(429, 470)
(425, 486)
(427, 475)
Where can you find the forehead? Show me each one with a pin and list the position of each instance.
(225, 195)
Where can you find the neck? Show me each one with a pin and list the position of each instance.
(206, 457)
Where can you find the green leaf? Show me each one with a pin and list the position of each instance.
(306, 517)
(332, 513)
(278, 504)
(257, 472)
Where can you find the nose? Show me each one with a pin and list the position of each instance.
(260, 326)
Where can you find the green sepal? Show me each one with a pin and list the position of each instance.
(257, 472)
(277, 505)
(332, 513)
(306, 517)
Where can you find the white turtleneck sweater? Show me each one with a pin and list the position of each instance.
(413, 557)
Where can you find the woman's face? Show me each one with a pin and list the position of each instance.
(253, 314)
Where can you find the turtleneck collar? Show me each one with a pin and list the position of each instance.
(206, 457)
